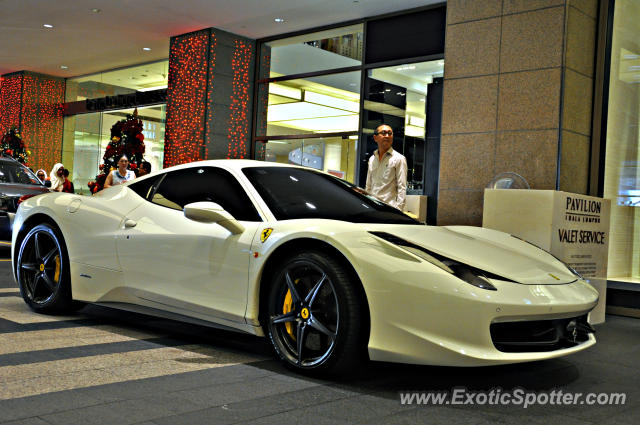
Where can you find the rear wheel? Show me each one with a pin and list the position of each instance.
(314, 315)
(42, 270)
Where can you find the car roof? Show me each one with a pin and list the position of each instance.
(228, 164)
(233, 164)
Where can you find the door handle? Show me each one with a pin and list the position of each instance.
(130, 223)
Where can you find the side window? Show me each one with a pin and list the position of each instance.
(13, 172)
(143, 187)
(199, 184)
(4, 174)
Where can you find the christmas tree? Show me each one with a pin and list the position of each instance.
(13, 146)
(127, 139)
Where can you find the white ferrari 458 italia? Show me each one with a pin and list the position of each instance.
(329, 274)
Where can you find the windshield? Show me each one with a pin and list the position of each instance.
(292, 193)
(13, 172)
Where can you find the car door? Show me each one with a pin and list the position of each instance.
(189, 267)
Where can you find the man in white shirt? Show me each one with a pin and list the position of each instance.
(387, 172)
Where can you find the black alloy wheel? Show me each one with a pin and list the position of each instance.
(314, 315)
(42, 271)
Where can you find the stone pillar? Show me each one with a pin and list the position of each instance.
(517, 97)
(34, 104)
(209, 97)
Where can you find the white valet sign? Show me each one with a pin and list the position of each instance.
(573, 227)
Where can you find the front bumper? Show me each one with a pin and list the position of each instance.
(448, 322)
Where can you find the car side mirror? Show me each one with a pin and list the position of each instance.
(210, 212)
(47, 183)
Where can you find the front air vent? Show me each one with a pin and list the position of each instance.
(540, 335)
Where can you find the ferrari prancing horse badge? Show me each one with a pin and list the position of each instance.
(265, 234)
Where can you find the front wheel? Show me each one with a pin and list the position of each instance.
(42, 271)
(315, 315)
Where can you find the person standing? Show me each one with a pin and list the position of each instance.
(144, 168)
(387, 171)
(121, 174)
(42, 175)
(67, 186)
(57, 177)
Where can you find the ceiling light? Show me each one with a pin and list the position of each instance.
(285, 91)
(48, 26)
(331, 101)
(301, 111)
(413, 131)
(162, 86)
(279, 20)
(416, 121)
(95, 10)
(146, 49)
(406, 67)
(324, 124)
(64, 67)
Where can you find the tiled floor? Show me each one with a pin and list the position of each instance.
(108, 367)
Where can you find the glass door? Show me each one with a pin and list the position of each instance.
(398, 96)
(622, 158)
(85, 144)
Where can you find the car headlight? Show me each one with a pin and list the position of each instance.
(427, 257)
(471, 275)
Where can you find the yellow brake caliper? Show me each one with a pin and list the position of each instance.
(56, 276)
(286, 308)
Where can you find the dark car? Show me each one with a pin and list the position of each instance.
(16, 181)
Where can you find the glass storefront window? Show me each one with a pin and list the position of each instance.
(316, 88)
(146, 77)
(324, 104)
(397, 96)
(319, 51)
(622, 158)
(86, 143)
(334, 155)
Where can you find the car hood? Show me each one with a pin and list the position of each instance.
(485, 249)
(13, 189)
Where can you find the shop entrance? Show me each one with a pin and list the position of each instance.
(92, 133)
(407, 97)
(95, 102)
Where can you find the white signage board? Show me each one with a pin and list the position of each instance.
(581, 232)
(573, 227)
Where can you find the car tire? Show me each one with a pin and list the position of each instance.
(314, 315)
(42, 271)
